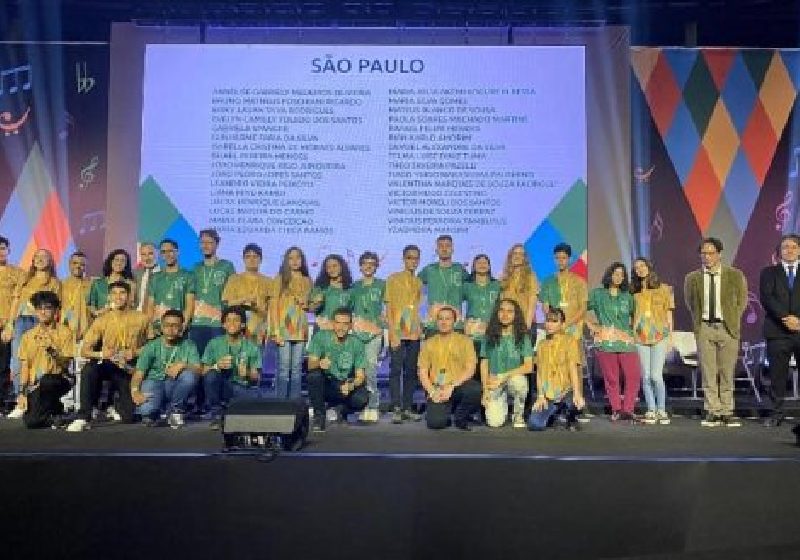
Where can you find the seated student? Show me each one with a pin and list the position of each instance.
(120, 333)
(560, 389)
(336, 364)
(446, 372)
(166, 370)
(44, 354)
(231, 364)
(506, 361)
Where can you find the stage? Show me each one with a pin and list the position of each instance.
(386, 491)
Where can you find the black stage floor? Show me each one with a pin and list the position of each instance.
(385, 491)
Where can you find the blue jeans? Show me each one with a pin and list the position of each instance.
(652, 358)
(220, 389)
(371, 351)
(201, 335)
(565, 408)
(23, 324)
(174, 391)
(290, 363)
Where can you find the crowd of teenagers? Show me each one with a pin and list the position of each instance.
(159, 338)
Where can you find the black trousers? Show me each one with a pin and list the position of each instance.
(779, 354)
(403, 364)
(5, 368)
(324, 389)
(92, 377)
(44, 402)
(464, 402)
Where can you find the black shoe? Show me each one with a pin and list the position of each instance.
(463, 425)
(796, 432)
(58, 422)
(318, 425)
(711, 421)
(573, 426)
(730, 421)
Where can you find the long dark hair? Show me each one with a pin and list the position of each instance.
(472, 270)
(652, 281)
(323, 280)
(625, 286)
(494, 330)
(127, 273)
(286, 273)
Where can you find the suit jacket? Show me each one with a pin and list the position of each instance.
(778, 300)
(137, 276)
(734, 298)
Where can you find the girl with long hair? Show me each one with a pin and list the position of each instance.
(116, 267)
(521, 284)
(331, 290)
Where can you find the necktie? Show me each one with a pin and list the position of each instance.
(712, 297)
(791, 276)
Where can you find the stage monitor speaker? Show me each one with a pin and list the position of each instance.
(281, 420)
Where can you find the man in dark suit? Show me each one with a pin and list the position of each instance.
(780, 297)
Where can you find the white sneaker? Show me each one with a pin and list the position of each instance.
(78, 425)
(650, 417)
(663, 417)
(519, 421)
(113, 415)
(175, 420)
(16, 414)
(332, 415)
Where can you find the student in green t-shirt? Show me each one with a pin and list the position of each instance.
(170, 288)
(444, 281)
(166, 371)
(116, 267)
(506, 362)
(481, 292)
(210, 276)
(366, 299)
(231, 364)
(336, 366)
(611, 324)
(331, 290)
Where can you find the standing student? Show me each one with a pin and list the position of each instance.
(566, 291)
(444, 280)
(403, 299)
(119, 334)
(446, 371)
(44, 354)
(331, 290)
(116, 268)
(506, 361)
(144, 273)
(366, 300)
(780, 298)
(653, 302)
(166, 372)
(251, 291)
(520, 284)
(612, 328)
(231, 365)
(716, 296)
(336, 365)
(559, 394)
(170, 288)
(290, 324)
(41, 276)
(480, 293)
(75, 293)
(10, 279)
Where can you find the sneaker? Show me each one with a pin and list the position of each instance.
(397, 416)
(113, 415)
(574, 426)
(411, 415)
(332, 415)
(710, 421)
(616, 416)
(369, 415)
(175, 420)
(649, 418)
(57, 422)
(78, 425)
(663, 417)
(730, 421)
(519, 421)
(16, 414)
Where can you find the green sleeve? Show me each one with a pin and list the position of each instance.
(485, 348)
(191, 283)
(210, 354)
(527, 347)
(360, 358)
(94, 297)
(464, 274)
(145, 360)
(316, 346)
(192, 357)
(423, 274)
(254, 357)
(592, 303)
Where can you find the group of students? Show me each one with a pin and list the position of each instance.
(162, 336)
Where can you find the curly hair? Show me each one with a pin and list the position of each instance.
(625, 286)
(127, 273)
(527, 272)
(494, 330)
(323, 280)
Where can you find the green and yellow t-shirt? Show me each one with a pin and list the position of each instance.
(98, 292)
(556, 358)
(291, 321)
(403, 298)
(615, 315)
(569, 292)
(244, 353)
(445, 287)
(169, 291)
(332, 297)
(346, 355)
(209, 281)
(481, 300)
(366, 302)
(651, 314)
(506, 354)
(157, 356)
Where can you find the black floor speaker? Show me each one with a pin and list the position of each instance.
(284, 420)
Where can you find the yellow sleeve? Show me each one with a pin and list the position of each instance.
(424, 360)
(25, 351)
(94, 333)
(573, 351)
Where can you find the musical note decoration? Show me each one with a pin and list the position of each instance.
(783, 212)
(15, 73)
(643, 177)
(92, 221)
(87, 173)
(83, 81)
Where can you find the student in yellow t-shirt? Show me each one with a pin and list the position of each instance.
(10, 277)
(251, 291)
(44, 353)
(446, 371)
